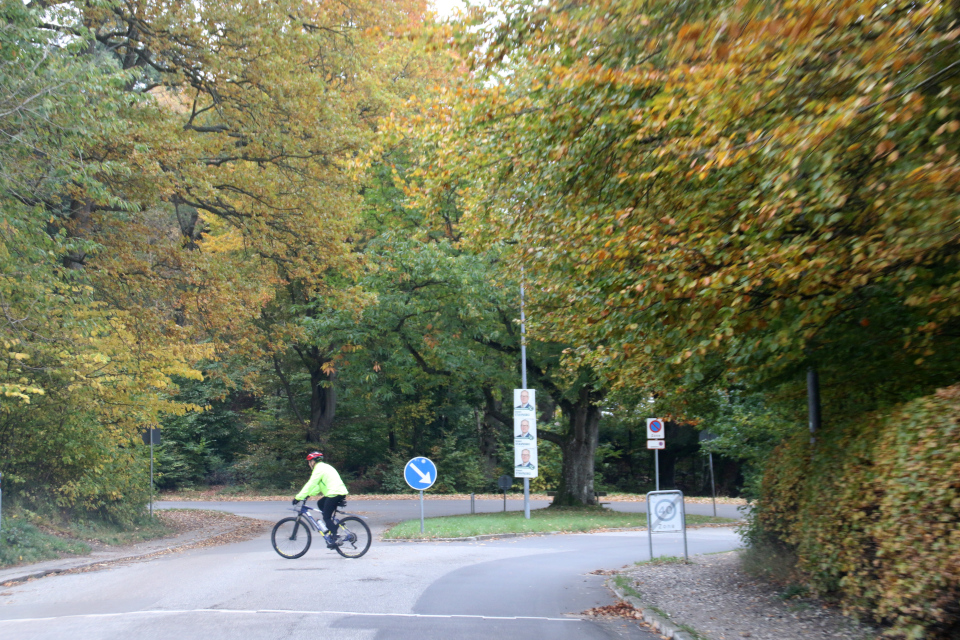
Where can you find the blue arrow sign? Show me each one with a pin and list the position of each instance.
(420, 473)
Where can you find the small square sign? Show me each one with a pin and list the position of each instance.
(656, 428)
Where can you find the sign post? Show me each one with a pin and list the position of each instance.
(505, 482)
(420, 474)
(666, 514)
(706, 436)
(656, 432)
(151, 436)
(524, 405)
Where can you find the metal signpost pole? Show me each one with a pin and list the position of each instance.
(649, 527)
(523, 385)
(683, 514)
(473, 506)
(150, 431)
(420, 474)
(713, 487)
(813, 403)
(656, 466)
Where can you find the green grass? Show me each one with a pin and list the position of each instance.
(625, 585)
(568, 519)
(112, 534)
(29, 537)
(22, 542)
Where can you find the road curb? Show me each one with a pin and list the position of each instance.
(662, 625)
(527, 534)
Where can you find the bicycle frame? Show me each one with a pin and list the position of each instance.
(305, 511)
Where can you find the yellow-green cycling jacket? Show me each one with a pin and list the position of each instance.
(323, 481)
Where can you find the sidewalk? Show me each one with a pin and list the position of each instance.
(137, 551)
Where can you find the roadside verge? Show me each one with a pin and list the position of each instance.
(659, 623)
(214, 529)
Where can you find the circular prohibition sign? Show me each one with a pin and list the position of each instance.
(665, 509)
(656, 426)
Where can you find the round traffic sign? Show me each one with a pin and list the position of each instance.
(656, 426)
(420, 473)
(665, 509)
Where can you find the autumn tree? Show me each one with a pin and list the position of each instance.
(771, 186)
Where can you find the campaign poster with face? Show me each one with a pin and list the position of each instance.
(524, 402)
(525, 462)
(525, 430)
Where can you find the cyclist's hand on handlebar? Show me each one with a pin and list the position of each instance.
(295, 501)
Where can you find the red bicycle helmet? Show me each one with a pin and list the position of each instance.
(315, 455)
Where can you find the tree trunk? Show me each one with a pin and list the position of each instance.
(323, 403)
(488, 432)
(579, 447)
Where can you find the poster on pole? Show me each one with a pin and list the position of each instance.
(525, 462)
(524, 433)
(524, 402)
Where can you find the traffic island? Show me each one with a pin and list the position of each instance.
(542, 521)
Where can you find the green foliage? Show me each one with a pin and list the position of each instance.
(200, 446)
(688, 189)
(746, 429)
(22, 542)
(459, 467)
(872, 514)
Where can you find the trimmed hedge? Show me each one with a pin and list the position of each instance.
(873, 515)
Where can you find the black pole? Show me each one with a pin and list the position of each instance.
(504, 500)
(813, 403)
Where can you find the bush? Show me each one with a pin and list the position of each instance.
(873, 516)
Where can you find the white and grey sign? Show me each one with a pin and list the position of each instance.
(524, 433)
(656, 428)
(524, 402)
(665, 510)
(525, 462)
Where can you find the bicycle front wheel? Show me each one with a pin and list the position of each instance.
(291, 537)
(355, 537)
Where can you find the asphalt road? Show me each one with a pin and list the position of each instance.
(534, 587)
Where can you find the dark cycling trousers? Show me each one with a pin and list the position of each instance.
(327, 505)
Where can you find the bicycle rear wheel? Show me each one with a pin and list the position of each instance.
(355, 537)
(291, 537)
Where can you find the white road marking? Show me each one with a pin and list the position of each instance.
(288, 612)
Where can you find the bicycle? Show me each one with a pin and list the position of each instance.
(291, 537)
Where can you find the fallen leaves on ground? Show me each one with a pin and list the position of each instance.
(618, 610)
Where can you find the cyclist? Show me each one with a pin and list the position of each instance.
(324, 480)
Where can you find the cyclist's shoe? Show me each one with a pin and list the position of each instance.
(331, 541)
